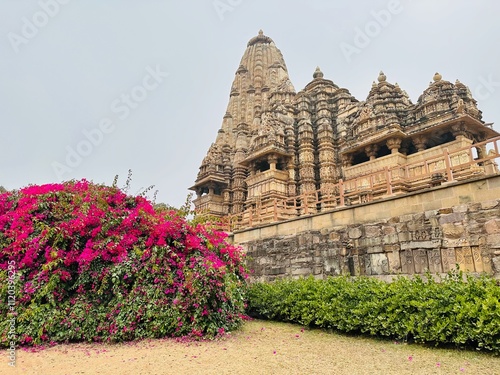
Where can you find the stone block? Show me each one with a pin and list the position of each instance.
(475, 207)
(493, 240)
(407, 263)
(301, 271)
(457, 242)
(492, 226)
(378, 264)
(452, 218)
(421, 261)
(453, 231)
(390, 239)
(464, 258)
(387, 230)
(375, 249)
(430, 214)
(489, 204)
(432, 244)
(405, 218)
(444, 211)
(495, 262)
(334, 236)
(393, 220)
(435, 263)
(448, 259)
(394, 262)
(404, 236)
(391, 248)
(355, 232)
(372, 231)
(366, 242)
(460, 208)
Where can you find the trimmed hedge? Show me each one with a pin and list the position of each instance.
(453, 310)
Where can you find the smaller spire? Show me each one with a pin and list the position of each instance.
(381, 77)
(374, 84)
(437, 77)
(261, 32)
(318, 73)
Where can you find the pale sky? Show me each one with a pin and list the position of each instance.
(92, 88)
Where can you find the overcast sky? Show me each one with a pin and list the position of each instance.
(93, 88)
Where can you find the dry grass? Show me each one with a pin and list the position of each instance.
(261, 347)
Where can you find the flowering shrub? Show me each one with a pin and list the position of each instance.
(94, 264)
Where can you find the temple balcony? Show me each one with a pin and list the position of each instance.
(211, 204)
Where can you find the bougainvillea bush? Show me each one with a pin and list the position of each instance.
(92, 263)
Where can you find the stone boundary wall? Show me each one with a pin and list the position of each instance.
(457, 223)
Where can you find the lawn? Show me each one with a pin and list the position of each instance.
(260, 347)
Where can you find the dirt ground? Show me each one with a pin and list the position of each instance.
(260, 347)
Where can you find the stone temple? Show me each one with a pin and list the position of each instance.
(280, 154)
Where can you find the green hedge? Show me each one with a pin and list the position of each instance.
(454, 310)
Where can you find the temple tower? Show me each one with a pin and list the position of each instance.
(260, 99)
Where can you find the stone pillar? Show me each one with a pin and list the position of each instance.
(419, 142)
(272, 160)
(394, 144)
(371, 151)
(459, 130)
(306, 157)
(347, 160)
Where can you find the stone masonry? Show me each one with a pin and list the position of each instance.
(435, 240)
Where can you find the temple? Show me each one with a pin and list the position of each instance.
(281, 154)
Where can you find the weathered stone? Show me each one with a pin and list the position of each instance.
(489, 204)
(372, 231)
(444, 211)
(465, 237)
(355, 232)
(452, 218)
(493, 240)
(390, 239)
(492, 226)
(405, 218)
(453, 231)
(378, 264)
(435, 265)
(420, 244)
(448, 259)
(496, 264)
(387, 230)
(420, 260)
(370, 241)
(374, 249)
(334, 236)
(461, 208)
(394, 262)
(404, 236)
(393, 220)
(430, 214)
(301, 271)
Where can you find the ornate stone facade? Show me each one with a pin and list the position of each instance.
(329, 149)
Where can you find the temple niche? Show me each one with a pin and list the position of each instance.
(281, 153)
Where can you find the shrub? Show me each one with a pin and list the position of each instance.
(92, 263)
(453, 310)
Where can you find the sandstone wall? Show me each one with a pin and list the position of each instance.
(434, 230)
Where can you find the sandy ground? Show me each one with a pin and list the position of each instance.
(260, 347)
